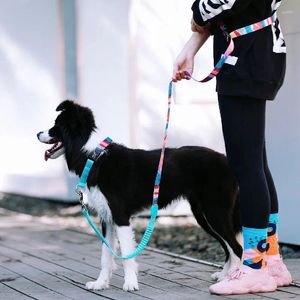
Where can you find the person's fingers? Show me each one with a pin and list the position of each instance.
(182, 70)
(175, 70)
(174, 79)
(178, 76)
(188, 75)
(182, 74)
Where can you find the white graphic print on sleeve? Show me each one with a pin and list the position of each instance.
(212, 8)
(278, 39)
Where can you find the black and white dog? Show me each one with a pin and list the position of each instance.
(121, 184)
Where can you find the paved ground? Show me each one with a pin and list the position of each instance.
(41, 259)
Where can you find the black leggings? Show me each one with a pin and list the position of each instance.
(243, 123)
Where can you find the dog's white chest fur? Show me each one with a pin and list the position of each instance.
(96, 200)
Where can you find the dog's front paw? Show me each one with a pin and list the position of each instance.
(217, 276)
(131, 284)
(97, 285)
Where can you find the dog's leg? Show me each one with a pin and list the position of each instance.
(218, 276)
(233, 262)
(107, 262)
(127, 244)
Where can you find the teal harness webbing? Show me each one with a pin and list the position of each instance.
(81, 186)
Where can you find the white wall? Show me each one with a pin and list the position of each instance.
(283, 134)
(30, 88)
(103, 64)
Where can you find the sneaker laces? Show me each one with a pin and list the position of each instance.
(236, 274)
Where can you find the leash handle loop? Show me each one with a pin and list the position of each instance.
(232, 35)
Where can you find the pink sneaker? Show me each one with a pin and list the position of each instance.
(245, 280)
(279, 271)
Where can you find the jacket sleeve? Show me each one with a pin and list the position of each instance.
(213, 11)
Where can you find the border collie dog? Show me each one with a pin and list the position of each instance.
(121, 182)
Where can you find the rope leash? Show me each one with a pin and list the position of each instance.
(100, 149)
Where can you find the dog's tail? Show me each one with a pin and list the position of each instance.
(201, 219)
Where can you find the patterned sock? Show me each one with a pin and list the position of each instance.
(255, 246)
(272, 239)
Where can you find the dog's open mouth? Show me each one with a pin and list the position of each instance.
(50, 153)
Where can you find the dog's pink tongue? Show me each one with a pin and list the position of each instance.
(46, 155)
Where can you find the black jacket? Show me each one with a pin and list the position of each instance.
(260, 68)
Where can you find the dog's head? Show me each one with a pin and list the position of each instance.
(71, 129)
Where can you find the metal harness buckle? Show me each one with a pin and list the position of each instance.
(96, 155)
(80, 194)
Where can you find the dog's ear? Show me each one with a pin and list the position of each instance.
(67, 104)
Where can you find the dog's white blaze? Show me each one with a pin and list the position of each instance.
(96, 200)
(94, 139)
(44, 137)
(127, 244)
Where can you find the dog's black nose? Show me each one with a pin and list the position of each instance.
(38, 135)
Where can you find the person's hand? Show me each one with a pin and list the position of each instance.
(184, 63)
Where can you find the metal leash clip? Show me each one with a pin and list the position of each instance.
(79, 192)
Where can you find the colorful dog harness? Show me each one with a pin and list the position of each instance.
(101, 148)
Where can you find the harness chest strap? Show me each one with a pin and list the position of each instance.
(99, 151)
